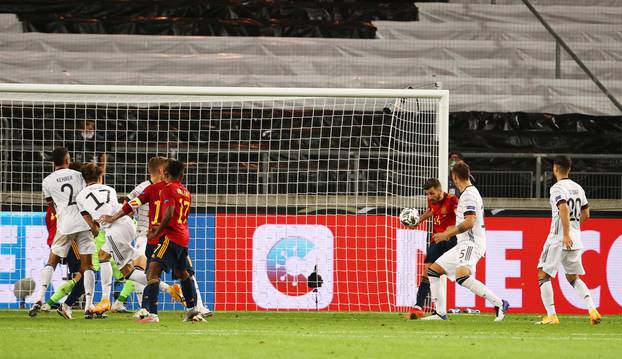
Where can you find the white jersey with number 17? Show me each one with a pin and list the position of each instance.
(98, 200)
(569, 192)
(63, 186)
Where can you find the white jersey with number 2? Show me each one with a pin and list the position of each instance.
(63, 186)
(570, 192)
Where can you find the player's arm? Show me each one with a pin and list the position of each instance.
(127, 209)
(424, 217)
(564, 217)
(466, 225)
(585, 214)
(166, 220)
(51, 205)
(92, 225)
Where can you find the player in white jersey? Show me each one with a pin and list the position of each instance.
(563, 245)
(460, 262)
(95, 200)
(60, 189)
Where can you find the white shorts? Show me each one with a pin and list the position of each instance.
(464, 254)
(119, 238)
(140, 243)
(62, 243)
(553, 255)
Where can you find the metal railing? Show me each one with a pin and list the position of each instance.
(560, 43)
(597, 184)
(511, 184)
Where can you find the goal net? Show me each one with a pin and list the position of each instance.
(296, 192)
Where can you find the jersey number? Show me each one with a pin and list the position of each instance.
(62, 189)
(575, 209)
(183, 215)
(157, 212)
(98, 203)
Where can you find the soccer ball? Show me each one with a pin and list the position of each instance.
(409, 216)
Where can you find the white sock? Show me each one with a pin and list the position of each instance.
(89, 287)
(199, 301)
(546, 293)
(105, 274)
(46, 278)
(138, 289)
(163, 287)
(138, 277)
(481, 290)
(584, 293)
(438, 295)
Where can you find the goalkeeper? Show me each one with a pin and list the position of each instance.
(442, 208)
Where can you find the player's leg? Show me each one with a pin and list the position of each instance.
(468, 256)
(173, 290)
(464, 278)
(72, 260)
(434, 272)
(550, 259)
(105, 276)
(149, 311)
(433, 252)
(86, 245)
(59, 249)
(573, 266)
(199, 301)
(161, 259)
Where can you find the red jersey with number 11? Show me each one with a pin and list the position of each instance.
(150, 195)
(444, 212)
(174, 194)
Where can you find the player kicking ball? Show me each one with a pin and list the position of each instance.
(460, 261)
(172, 250)
(442, 209)
(563, 245)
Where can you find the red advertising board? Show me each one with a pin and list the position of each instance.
(369, 263)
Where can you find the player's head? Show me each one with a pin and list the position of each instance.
(561, 165)
(91, 173)
(460, 173)
(60, 157)
(433, 190)
(156, 167)
(175, 169)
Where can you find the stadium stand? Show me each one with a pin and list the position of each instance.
(497, 60)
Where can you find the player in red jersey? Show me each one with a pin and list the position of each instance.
(172, 250)
(442, 208)
(150, 195)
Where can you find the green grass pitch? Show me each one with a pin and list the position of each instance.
(306, 335)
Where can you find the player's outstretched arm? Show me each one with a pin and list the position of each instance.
(166, 219)
(424, 217)
(469, 222)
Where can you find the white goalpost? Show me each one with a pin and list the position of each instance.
(296, 191)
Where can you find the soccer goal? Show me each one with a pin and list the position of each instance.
(296, 192)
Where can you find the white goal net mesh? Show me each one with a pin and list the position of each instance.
(284, 189)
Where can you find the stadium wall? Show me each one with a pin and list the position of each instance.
(371, 261)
